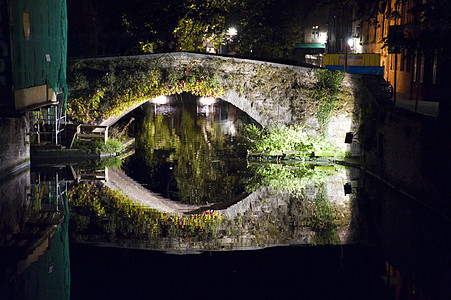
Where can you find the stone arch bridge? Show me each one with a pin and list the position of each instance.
(271, 93)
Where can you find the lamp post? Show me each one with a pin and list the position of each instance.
(345, 67)
(230, 33)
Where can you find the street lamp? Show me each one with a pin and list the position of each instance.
(229, 35)
(232, 31)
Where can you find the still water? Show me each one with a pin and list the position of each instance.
(268, 230)
(187, 150)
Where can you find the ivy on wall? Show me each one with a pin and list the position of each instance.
(326, 95)
(106, 88)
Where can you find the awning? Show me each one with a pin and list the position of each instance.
(310, 45)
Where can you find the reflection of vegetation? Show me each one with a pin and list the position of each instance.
(155, 135)
(283, 141)
(324, 219)
(196, 152)
(110, 87)
(112, 162)
(102, 211)
(284, 178)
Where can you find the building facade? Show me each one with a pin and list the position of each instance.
(313, 41)
(412, 46)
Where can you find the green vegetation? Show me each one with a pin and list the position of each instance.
(99, 146)
(106, 88)
(101, 211)
(284, 141)
(266, 29)
(326, 92)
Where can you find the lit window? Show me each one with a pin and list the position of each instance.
(315, 32)
(26, 25)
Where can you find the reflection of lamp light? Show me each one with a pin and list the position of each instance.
(232, 31)
(351, 42)
(160, 100)
(206, 100)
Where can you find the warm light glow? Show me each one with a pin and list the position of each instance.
(206, 100)
(322, 37)
(358, 48)
(160, 100)
(232, 31)
(354, 45)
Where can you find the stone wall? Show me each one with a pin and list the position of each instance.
(14, 144)
(274, 93)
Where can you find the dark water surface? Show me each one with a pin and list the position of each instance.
(289, 232)
(327, 272)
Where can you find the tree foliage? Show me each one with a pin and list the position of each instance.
(265, 28)
(268, 28)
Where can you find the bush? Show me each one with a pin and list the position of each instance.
(283, 140)
(98, 146)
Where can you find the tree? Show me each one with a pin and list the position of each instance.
(203, 21)
(268, 28)
(151, 25)
(265, 28)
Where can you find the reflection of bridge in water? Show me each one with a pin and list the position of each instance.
(265, 218)
(117, 179)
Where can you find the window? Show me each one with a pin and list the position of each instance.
(415, 67)
(408, 62)
(26, 25)
(421, 69)
(403, 61)
(434, 69)
(315, 32)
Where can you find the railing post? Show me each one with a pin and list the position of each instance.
(106, 134)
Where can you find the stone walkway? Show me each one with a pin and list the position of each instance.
(427, 108)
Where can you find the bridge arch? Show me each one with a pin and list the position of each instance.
(270, 93)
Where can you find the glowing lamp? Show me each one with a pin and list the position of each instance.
(160, 100)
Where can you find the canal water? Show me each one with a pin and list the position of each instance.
(187, 149)
(254, 229)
